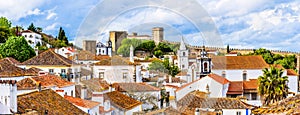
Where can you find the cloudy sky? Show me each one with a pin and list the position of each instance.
(272, 24)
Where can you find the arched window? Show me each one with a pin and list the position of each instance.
(205, 65)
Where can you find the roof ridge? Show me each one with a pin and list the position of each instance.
(35, 56)
(56, 55)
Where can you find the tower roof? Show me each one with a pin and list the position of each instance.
(182, 45)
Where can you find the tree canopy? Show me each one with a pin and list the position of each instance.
(32, 27)
(124, 49)
(4, 29)
(272, 86)
(17, 48)
(164, 66)
(62, 36)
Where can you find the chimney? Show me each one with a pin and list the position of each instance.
(197, 111)
(170, 79)
(207, 91)
(83, 92)
(106, 105)
(39, 86)
(36, 50)
(131, 54)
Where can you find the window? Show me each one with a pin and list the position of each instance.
(223, 74)
(101, 75)
(125, 75)
(62, 50)
(72, 93)
(238, 113)
(253, 96)
(30, 36)
(63, 70)
(205, 67)
(244, 75)
(182, 66)
(25, 36)
(5, 100)
(66, 93)
(51, 71)
(102, 51)
(183, 53)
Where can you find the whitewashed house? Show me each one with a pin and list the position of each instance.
(32, 38)
(65, 51)
(8, 95)
(102, 49)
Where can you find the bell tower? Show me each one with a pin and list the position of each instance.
(183, 54)
(205, 64)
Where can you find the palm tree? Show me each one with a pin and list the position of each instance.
(272, 86)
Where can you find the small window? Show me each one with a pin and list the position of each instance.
(102, 51)
(72, 93)
(62, 49)
(182, 66)
(63, 70)
(25, 36)
(223, 74)
(51, 71)
(253, 96)
(125, 75)
(183, 53)
(205, 65)
(101, 75)
(66, 93)
(244, 75)
(30, 36)
(238, 113)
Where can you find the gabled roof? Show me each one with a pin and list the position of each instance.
(218, 78)
(7, 69)
(193, 101)
(239, 62)
(47, 58)
(45, 81)
(96, 84)
(252, 84)
(47, 100)
(12, 60)
(121, 101)
(81, 102)
(33, 71)
(235, 87)
(134, 87)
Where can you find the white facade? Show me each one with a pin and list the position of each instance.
(32, 38)
(236, 112)
(102, 49)
(65, 51)
(237, 74)
(8, 95)
(116, 73)
(183, 54)
(18, 78)
(91, 111)
(293, 83)
(118, 111)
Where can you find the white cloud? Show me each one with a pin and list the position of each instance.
(51, 27)
(36, 11)
(16, 9)
(51, 14)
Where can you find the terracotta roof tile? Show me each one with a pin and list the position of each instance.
(193, 101)
(186, 85)
(116, 60)
(291, 72)
(7, 69)
(32, 71)
(134, 87)
(96, 84)
(235, 87)
(166, 111)
(121, 101)
(81, 102)
(182, 73)
(252, 84)
(12, 60)
(49, 57)
(47, 100)
(46, 81)
(175, 80)
(288, 106)
(218, 78)
(101, 110)
(239, 62)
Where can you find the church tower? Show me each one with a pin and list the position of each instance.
(183, 56)
(205, 64)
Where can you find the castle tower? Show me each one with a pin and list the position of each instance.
(183, 54)
(116, 38)
(158, 34)
(89, 45)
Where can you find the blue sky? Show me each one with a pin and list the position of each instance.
(241, 24)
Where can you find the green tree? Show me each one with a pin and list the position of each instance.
(62, 36)
(157, 65)
(164, 47)
(228, 49)
(272, 86)
(158, 53)
(4, 22)
(288, 61)
(174, 70)
(17, 48)
(4, 29)
(147, 45)
(174, 47)
(124, 49)
(32, 27)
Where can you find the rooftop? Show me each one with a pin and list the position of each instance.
(96, 84)
(121, 101)
(81, 102)
(218, 78)
(134, 87)
(47, 100)
(116, 60)
(239, 62)
(47, 58)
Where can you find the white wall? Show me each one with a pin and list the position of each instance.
(234, 111)
(19, 78)
(237, 75)
(91, 111)
(293, 84)
(135, 109)
(34, 39)
(8, 95)
(113, 74)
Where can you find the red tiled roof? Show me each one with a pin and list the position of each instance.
(96, 84)
(116, 60)
(239, 62)
(218, 78)
(175, 80)
(291, 72)
(235, 87)
(7, 69)
(12, 60)
(121, 101)
(47, 100)
(252, 84)
(52, 80)
(81, 102)
(186, 85)
(134, 87)
(182, 73)
(26, 84)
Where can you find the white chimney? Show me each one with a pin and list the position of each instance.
(36, 50)
(83, 92)
(131, 53)
(170, 79)
(197, 111)
(106, 105)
